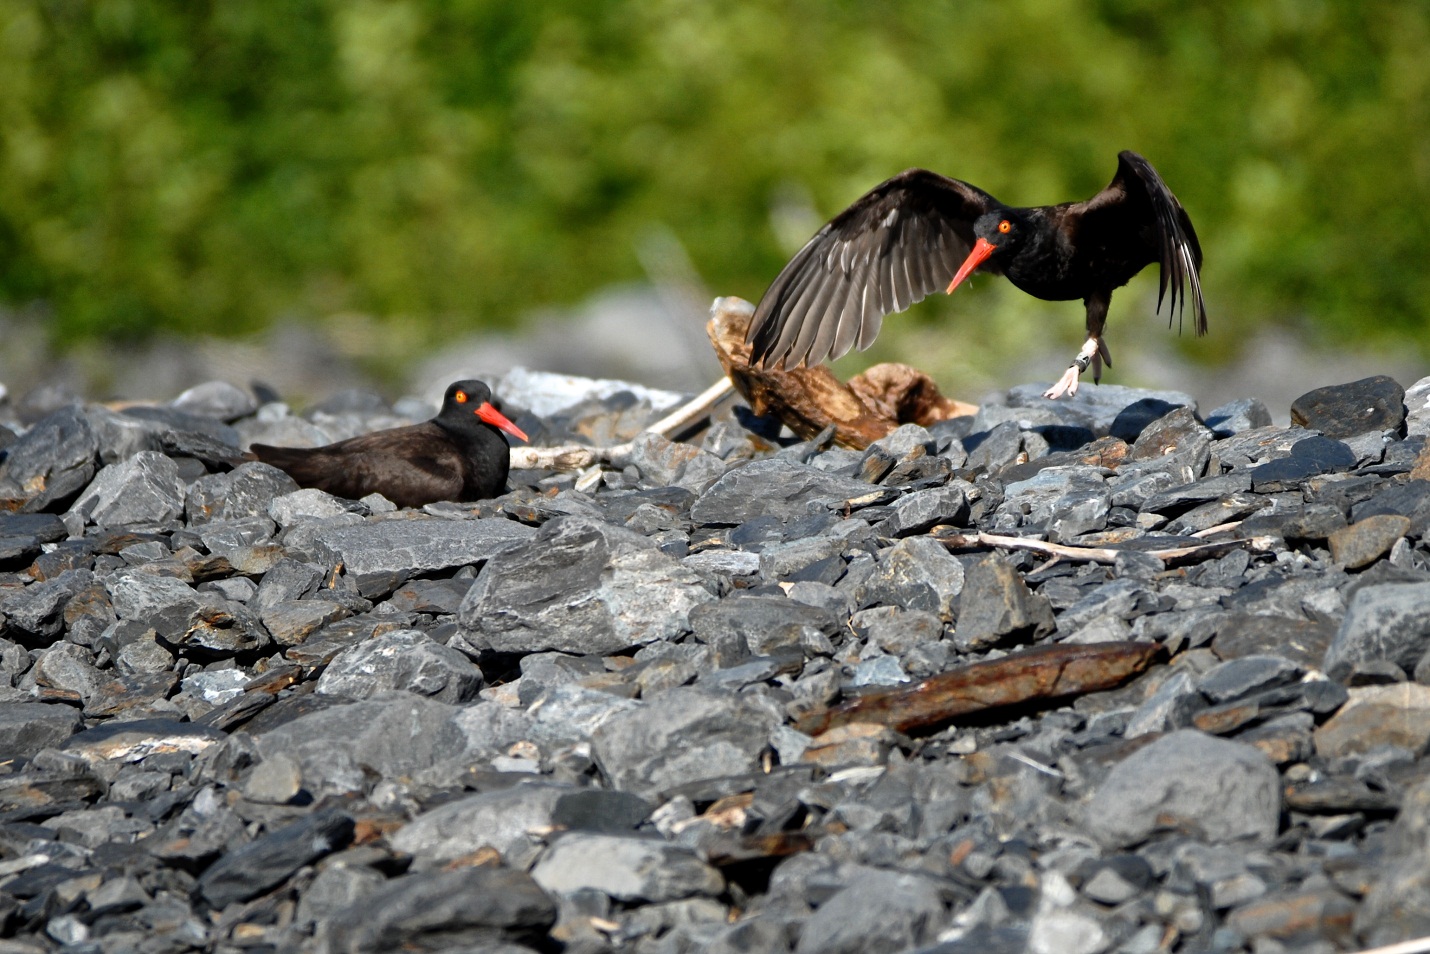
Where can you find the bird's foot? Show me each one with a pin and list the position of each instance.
(1092, 353)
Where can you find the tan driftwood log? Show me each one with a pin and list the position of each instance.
(808, 400)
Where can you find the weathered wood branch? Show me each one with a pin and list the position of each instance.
(955, 539)
(808, 400)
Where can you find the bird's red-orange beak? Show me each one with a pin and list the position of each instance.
(981, 250)
(497, 419)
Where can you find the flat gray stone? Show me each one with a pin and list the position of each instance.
(916, 573)
(625, 867)
(143, 490)
(509, 820)
(1189, 781)
(378, 551)
(774, 486)
(681, 735)
(28, 727)
(883, 911)
(1385, 622)
(580, 587)
(404, 659)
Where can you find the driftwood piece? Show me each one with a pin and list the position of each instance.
(956, 539)
(808, 400)
(1032, 675)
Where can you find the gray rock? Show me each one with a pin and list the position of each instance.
(1218, 790)
(625, 867)
(1344, 410)
(245, 492)
(217, 399)
(342, 747)
(682, 735)
(995, 605)
(290, 622)
(579, 587)
(54, 460)
(309, 503)
(1397, 906)
(665, 463)
(994, 449)
(764, 624)
(28, 727)
(271, 859)
(470, 908)
(1237, 416)
(1096, 406)
(509, 820)
(923, 510)
(916, 573)
(1417, 405)
(36, 614)
(777, 487)
(1389, 621)
(405, 659)
(145, 489)
(882, 911)
(1240, 677)
(379, 555)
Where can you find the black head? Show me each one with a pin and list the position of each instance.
(468, 404)
(1004, 229)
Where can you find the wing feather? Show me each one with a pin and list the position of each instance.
(893, 247)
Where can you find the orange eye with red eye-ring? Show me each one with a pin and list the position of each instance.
(1005, 226)
(460, 397)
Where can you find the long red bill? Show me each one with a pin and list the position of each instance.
(981, 250)
(497, 419)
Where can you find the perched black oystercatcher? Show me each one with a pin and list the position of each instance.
(906, 238)
(458, 455)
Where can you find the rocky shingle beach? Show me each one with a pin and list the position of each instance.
(666, 704)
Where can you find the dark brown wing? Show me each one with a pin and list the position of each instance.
(1138, 203)
(902, 240)
(410, 466)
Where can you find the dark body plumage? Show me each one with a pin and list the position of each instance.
(908, 236)
(458, 455)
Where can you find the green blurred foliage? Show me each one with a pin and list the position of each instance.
(211, 166)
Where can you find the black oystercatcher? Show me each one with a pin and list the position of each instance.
(906, 238)
(458, 455)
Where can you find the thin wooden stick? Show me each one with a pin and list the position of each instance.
(1085, 554)
(693, 410)
(565, 457)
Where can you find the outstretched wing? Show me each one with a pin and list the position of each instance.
(902, 240)
(1137, 204)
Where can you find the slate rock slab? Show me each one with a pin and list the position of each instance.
(625, 867)
(1386, 622)
(503, 819)
(774, 487)
(995, 603)
(404, 659)
(143, 489)
(916, 573)
(466, 909)
(271, 859)
(580, 587)
(681, 735)
(28, 727)
(1376, 716)
(378, 555)
(1345, 410)
(882, 911)
(1186, 780)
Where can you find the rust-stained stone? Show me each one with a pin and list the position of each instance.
(1320, 913)
(1033, 675)
(1376, 716)
(851, 743)
(1366, 541)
